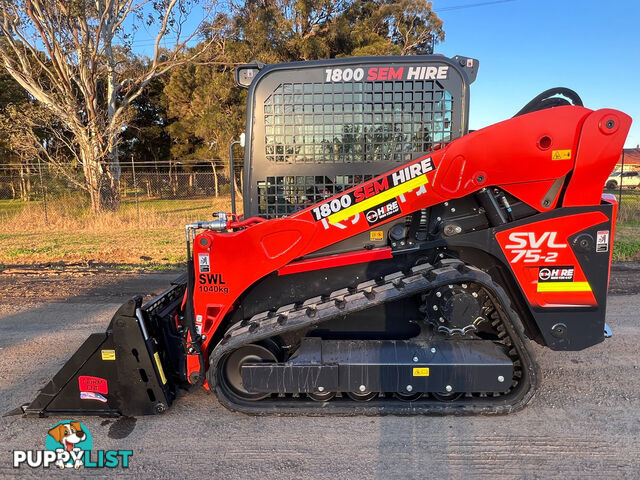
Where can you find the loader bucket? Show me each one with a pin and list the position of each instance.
(128, 370)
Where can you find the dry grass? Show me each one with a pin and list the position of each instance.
(152, 240)
(74, 214)
(627, 240)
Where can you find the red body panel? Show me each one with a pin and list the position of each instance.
(542, 260)
(523, 155)
(332, 261)
(595, 156)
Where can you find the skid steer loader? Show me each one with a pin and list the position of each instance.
(388, 261)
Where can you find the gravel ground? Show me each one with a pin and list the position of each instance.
(584, 421)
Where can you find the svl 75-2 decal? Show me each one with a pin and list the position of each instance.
(532, 247)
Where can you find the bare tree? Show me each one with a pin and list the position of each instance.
(74, 56)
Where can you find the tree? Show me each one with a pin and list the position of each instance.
(69, 56)
(12, 141)
(146, 140)
(206, 109)
(208, 114)
(288, 30)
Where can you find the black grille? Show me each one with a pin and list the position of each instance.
(312, 136)
(356, 122)
(284, 195)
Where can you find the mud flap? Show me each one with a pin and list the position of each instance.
(119, 372)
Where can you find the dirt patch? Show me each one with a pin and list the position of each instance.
(79, 284)
(625, 278)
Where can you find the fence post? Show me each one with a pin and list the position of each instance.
(135, 188)
(621, 177)
(44, 194)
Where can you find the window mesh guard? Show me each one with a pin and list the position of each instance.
(283, 195)
(346, 123)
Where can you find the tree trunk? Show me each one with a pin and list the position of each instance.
(173, 178)
(110, 198)
(215, 180)
(234, 185)
(23, 185)
(110, 188)
(92, 171)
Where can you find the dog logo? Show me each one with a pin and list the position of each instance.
(71, 437)
(70, 445)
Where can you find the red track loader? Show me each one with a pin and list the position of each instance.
(388, 260)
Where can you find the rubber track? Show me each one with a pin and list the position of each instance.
(316, 310)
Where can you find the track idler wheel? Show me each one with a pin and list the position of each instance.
(362, 396)
(447, 396)
(321, 396)
(407, 397)
(230, 373)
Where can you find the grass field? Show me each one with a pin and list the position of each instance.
(627, 239)
(154, 240)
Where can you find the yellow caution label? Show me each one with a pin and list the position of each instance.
(376, 235)
(421, 371)
(561, 155)
(377, 199)
(564, 287)
(108, 354)
(156, 357)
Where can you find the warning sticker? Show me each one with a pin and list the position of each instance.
(602, 241)
(203, 262)
(92, 396)
(108, 354)
(93, 384)
(561, 155)
(376, 235)
(421, 371)
(156, 357)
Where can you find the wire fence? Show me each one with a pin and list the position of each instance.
(20, 184)
(29, 184)
(43, 184)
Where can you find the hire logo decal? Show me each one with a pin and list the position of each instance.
(70, 445)
(381, 212)
(555, 274)
(380, 73)
(377, 198)
(560, 279)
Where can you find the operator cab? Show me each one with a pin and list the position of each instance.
(317, 128)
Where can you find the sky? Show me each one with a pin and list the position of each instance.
(527, 46)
